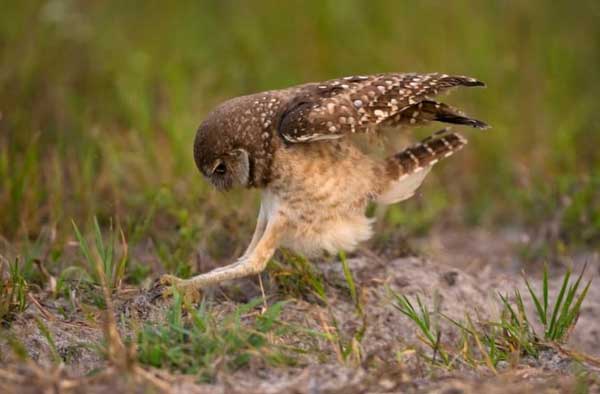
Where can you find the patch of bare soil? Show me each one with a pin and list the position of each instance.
(461, 274)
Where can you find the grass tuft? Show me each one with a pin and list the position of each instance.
(431, 336)
(296, 276)
(299, 278)
(13, 291)
(512, 335)
(101, 258)
(566, 308)
(202, 343)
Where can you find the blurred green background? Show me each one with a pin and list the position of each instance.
(100, 100)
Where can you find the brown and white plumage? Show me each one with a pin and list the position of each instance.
(316, 183)
(363, 104)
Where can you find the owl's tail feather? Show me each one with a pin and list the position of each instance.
(429, 110)
(407, 170)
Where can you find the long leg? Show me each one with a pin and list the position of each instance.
(253, 263)
(261, 225)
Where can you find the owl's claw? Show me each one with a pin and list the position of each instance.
(170, 280)
(190, 292)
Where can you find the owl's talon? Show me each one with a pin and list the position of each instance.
(190, 292)
(170, 280)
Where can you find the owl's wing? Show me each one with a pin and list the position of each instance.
(362, 104)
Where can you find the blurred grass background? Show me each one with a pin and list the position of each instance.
(100, 101)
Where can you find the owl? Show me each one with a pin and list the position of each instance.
(294, 145)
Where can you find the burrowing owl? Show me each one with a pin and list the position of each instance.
(292, 144)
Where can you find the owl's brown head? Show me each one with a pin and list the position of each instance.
(232, 146)
(224, 164)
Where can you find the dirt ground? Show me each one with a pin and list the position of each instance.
(462, 272)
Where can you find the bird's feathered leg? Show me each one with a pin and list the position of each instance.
(261, 225)
(252, 262)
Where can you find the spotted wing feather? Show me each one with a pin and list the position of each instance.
(362, 104)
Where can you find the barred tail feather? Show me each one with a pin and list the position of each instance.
(408, 169)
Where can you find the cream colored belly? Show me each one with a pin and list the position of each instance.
(331, 235)
(313, 227)
(323, 189)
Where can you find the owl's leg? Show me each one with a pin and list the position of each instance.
(261, 225)
(253, 262)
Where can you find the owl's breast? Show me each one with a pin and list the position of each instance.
(312, 238)
(323, 190)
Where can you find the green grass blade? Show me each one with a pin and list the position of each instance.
(48, 336)
(99, 240)
(424, 313)
(574, 312)
(350, 281)
(541, 311)
(557, 305)
(562, 321)
(524, 321)
(509, 307)
(455, 322)
(422, 320)
(545, 292)
(83, 246)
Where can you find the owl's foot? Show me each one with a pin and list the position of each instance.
(189, 290)
(252, 263)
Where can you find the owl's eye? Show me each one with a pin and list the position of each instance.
(220, 169)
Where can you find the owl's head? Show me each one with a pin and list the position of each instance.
(223, 164)
(225, 146)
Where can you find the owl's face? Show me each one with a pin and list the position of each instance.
(224, 163)
(234, 145)
(228, 170)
